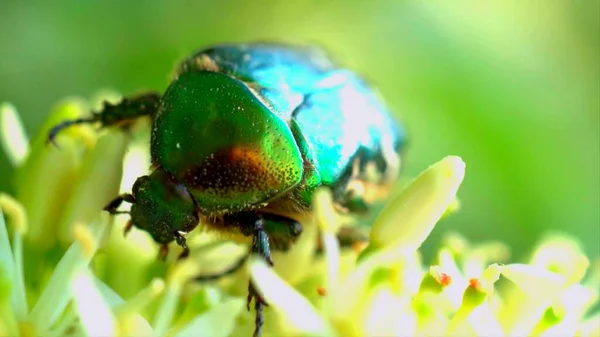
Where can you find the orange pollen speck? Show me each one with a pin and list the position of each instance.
(474, 283)
(321, 291)
(444, 279)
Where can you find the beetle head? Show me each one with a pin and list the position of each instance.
(162, 207)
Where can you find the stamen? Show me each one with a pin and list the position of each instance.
(55, 297)
(326, 219)
(220, 320)
(12, 135)
(181, 273)
(13, 260)
(86, 239)
(16, 211)
(142, 299)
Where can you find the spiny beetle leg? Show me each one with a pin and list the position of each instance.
(122, 113)
(259, 304)
(260, 241)
(260, 246)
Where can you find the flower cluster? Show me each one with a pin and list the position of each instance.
(67, 270)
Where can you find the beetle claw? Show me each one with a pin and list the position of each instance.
(259, 304)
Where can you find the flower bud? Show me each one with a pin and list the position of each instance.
(408, 219)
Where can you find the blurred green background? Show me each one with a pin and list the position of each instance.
(512, 87)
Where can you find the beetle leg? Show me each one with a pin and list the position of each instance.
(257, 225)
(181, 241)
(112, 206)
(260, 241)
(259, 304)
(122, 113)
(260, 246)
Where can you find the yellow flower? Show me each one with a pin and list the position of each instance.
(65, 269)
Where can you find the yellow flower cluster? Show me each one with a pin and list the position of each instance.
(67, 270)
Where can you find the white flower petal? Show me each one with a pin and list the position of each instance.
(540, 289)
(298, 312)
(349, 297)
(94, 313)
(112, 298)
(332, 257)
(389, 314)
(459, 283)
(484, 323)
(591, 326)
(536, 282)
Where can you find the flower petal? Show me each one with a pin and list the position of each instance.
(535, 281)
(297, 311)
(388, 314)
(94, 313)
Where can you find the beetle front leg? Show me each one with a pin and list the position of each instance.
(116, 202)
(255, 225)
(122, 113)
(112, 207)
(260, 246)
(259, 304)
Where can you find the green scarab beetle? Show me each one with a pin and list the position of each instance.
(244, 135)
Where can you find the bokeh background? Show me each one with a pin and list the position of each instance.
(511, 86)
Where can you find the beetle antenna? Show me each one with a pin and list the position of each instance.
(58, 128)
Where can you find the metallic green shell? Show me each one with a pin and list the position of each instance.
(219, 140)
